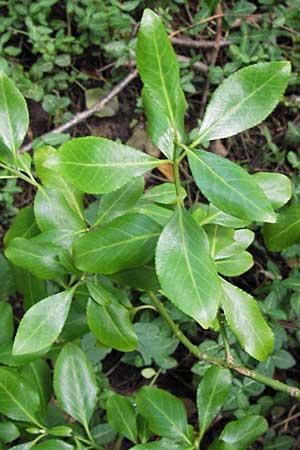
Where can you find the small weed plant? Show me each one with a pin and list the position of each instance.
(139, 272)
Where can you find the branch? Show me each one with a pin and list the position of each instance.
(201, 43)
(79, 117)
(275, 384)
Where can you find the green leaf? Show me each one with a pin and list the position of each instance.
(244, 100)
(246, 321)
(23, 225)
(38, 374)
(165, 414)
(14, 115)
(18, 400)
(226, 242)
(185, 269)
(229, 187)
(243, 432)
(75, 384)
(53, 210)
(32, 288)
(163, 97)
(112, 326)
(235, 265)
(97, 165)
(39, 259)
(121, 416)
(8, 432)
(211, 394)
(103, 433)
(6, 322)
(160, 214)
(164, 193)
(163, 444)
(128, 241)
(277, 187)
(285, 232)
(117, 203)
(42, 323)
(216, 216)
(53, 444)
(143, 278)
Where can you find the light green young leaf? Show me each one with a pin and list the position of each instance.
(211, 394)
(23, 225)
(75, 384)
(117, 203)
(243, 432)
(18, 400)
(229, 187)
(162, 94)
(276, 186)
(246, 321)
(121, 416)
(112, 326)
(164, 193)
(14, 115)
(98, 166)
(158, 213)
(185, 269)
(164, 413)
(6, 322)
(285, 232)
(235, 265)
(42, 323)
(39, 376)
(128, 241)
(38, 259)
(244, 100)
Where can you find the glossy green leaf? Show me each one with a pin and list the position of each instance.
(53, 210)
(185, 269)
(229, 187)
(143, 278)
(216, 216)
(103, 433)
(246, 321)
(8, 359)
(243, 432)
(162, 94)
(75, 384)
(211, 394)
(39, 259)
(38, 374)
(121, 416)
(14, 115)
(18, 400)
(112, 326)
(128, 241)
(164, 193)
(23, 225)
(42, 323)
(164, 413)
(8, 432)
(244, 100)
(158, 213)
(117, 203)
(235, 265)
(226, 242)
(286, 230)
(97, 165)
(163, 444)
(53, 444)
(6, 322)
(276, 186)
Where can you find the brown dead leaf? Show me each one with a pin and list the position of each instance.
(218, 148)
(167, 171)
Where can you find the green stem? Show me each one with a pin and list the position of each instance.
(275, 384)
(223, 332)
(118, 443)
(176, 176)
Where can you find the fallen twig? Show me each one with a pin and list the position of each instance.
(79, 117)
(201, 43)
